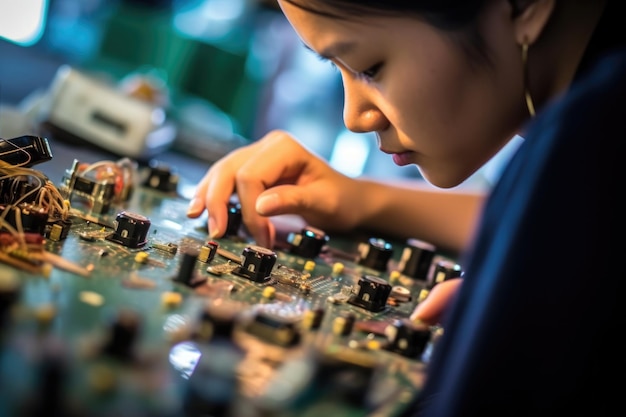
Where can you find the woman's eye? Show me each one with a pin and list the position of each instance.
(371, 72)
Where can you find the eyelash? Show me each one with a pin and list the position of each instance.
(369, 74)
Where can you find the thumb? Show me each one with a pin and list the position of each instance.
(285, 199)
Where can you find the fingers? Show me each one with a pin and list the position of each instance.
(434, 307)
(250, 171)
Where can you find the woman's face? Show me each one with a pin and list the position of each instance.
(416, 87)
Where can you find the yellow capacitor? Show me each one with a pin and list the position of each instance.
(337, 268)
(171, 299)
(269, 292)
(142, 257)
(309, 265)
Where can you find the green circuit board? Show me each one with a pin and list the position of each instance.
(133, 330)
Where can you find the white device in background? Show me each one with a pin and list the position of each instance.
(94, 111)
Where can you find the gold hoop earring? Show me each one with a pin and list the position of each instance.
(529, 99)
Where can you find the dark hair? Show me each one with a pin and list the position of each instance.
(456, 16)
(443, 14)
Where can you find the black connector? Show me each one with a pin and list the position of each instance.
(25, 151)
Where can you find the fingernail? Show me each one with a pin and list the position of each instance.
(213, 230)
(193, 206)
(267, 204)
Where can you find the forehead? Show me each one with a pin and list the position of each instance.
(331, 34)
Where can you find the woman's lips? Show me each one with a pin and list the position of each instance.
(402, 159)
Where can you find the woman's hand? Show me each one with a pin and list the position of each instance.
(433, 309)
(273, 176)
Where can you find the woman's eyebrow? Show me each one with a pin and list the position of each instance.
(339, 48)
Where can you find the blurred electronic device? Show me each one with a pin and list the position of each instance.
(25, 151)
(91, 110)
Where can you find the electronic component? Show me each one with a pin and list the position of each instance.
(25, 151)
(131, 230)
(343, 324)
(96, 187)
(371, 293)
(257, 263)
(308, 243)
(274, 329)
(208, 251)
(168, 247)
(444, 270)
(407, 338)
(234, 219)
(81, 107)
(375, 254)
(216, 321)
(25, 217)
(312, 319)
(57, 230)
(161, 177)
(123, 331)
(187, 273)
(400, 294)
(416, 259)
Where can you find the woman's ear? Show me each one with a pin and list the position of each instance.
(530, 18)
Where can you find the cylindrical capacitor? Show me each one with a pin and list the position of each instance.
(375, 254)
(444, 270)
(123, 332)
(234, 219)
(416, 259)
(407, 338)
(343, 324)
(373, 293)
(257, 263)
(161, 177)
(217, 321)
(308, 243)
(131, 229)
(312, 319)
(187, 270)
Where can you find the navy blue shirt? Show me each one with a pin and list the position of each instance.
(538, 326)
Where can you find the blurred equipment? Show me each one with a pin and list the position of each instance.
(88, 109)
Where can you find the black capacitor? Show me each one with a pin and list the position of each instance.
(122, 335)
(313, 319)
(344, 324)
(257, 263)
(187, 270)
(416, 259)
(234, 219)
(375, 254)
(161, 177)
(274, 329)
(131, 229)
(346, 377)
(444, 270)
(52, 373)
(407, 338)
(308, 243)
(217, 321)
(373, 293)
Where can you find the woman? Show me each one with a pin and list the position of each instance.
(445, 85)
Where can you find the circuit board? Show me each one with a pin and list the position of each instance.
(130, 310)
